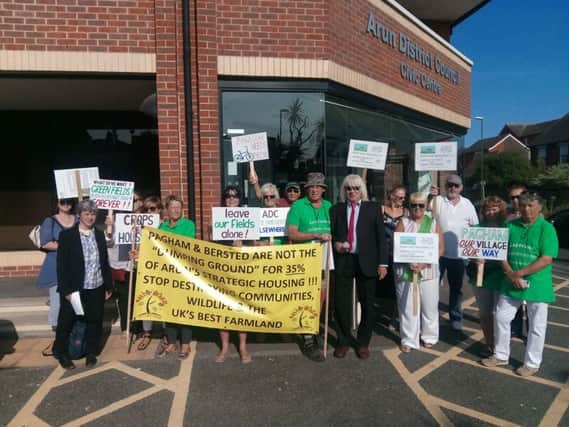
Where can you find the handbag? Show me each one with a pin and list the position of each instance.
(34, 234)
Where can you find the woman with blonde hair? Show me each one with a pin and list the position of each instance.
(423, 324)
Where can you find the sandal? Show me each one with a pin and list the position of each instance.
(220, 358)
(405, 349)
(428, 345)
(166, 350)
(144, 341)
(184, 352)
(48, 351)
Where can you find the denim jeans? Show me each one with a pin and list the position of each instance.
(455, 276)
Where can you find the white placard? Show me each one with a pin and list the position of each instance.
(272, 222)
(367, 154)
(416, 248)
(484, 243)
(116, 195)
(66, 183)
(250, 147)
(435, 156)
(231, 168)
(124, 224)
(235, 223)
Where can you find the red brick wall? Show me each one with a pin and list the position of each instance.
(293, 29)
(20, 271)
(351, 45)
(329, 29)
(78, 25)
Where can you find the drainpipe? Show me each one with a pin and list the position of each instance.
(188, 107)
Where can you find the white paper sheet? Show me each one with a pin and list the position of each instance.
(76, 304)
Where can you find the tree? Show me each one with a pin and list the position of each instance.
(501, 170)
(552, 177)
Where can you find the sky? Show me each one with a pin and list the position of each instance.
(520, 50)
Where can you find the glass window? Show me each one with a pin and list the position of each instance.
(294, 123)
(541, 152)
(311, 132)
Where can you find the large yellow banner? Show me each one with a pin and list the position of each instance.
(258, 289)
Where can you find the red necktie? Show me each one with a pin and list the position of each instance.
(351, 226)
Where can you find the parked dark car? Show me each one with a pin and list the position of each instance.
(560, 221)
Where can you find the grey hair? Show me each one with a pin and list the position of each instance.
(270, 186)
(86, 206)
(529, 197)
(353, 181)
(418, 197)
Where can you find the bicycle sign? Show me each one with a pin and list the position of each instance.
(248, 148)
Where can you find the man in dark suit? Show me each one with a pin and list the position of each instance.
(82, 268)
(360, 252)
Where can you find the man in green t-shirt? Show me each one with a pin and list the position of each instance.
(532, 246)
(308, 221)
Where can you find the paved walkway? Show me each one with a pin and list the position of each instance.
(440, 386)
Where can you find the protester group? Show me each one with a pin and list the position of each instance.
(83, 260)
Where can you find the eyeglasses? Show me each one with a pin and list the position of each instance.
(152, 208)
(351, 188)
(269, 196)
(231, 196)
(399, 197)
(417, 205)
(292, 190)
(452, 184)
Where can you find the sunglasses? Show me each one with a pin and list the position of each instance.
(269, 196)
(452, 184)
(65, 202)
(351, 188)
(152, 208)
(399, 198)
(514, 197)
(231, 196)
(292, 190)
(417, 205)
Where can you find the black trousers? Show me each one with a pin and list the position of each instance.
(365, 289)
(94, 306)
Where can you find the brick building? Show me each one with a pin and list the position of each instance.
(152, 91)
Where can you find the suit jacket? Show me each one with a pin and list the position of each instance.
(71, 264)
(371, 244)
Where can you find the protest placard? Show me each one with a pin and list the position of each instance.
(123, 233)
(66, 182)
(248, 148)
(416, 248)
(235, 223)
(256, 289)
(367, 154)
(272, 222)
(435, 156)
(484, 243)
(116, 195)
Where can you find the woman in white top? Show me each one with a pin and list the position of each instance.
(424, 325)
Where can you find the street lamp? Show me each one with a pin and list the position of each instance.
(482, 182)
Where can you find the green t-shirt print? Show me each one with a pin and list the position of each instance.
(528, 243)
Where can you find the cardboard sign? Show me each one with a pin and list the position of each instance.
(484, 243)
(416, 248)
(115, 195)
(367, 154)
(272, 222)
(435, 156)
(235, 223)
(248, 148)
(66, 181)
(124, 224)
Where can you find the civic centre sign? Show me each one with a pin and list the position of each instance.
(422, 58)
